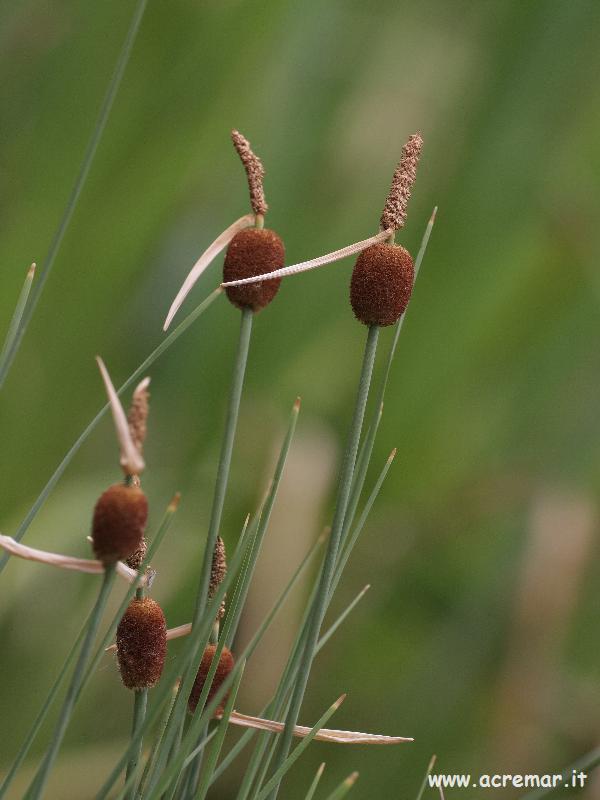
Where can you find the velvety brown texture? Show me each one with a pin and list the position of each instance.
(142, 644)
(226, 664)
(253, 252)
(382, 283)
(119, 520)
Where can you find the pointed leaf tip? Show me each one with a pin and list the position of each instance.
(174, 504)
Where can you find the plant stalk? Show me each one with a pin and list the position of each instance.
(322, 596)
(38, 785)
(233, 410)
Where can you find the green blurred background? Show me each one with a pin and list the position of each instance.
(479, 634)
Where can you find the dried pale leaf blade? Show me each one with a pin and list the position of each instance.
(88, 565)
(324, 734)
(131, 461)
(209, 255)
(320, 261)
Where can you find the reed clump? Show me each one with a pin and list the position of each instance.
(194, 693)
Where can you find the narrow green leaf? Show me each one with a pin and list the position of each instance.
(215, 750)
(426, 777)
(88, 158)
(291, 759)
(38, 784)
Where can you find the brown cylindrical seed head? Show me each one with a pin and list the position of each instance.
(226, 664)
(142, 644)
(382, 283)
(253, 252)
(119, 520)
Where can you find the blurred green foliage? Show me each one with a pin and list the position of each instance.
(494, 394)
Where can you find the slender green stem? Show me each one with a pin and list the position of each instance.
(321, 599)
(344, 787)
(16, 317)
(262, 522)
(239, 600)
(215, 750)
(140, 703)
(105, 109)
(157, 743)
(289, 761)
(367, 446)
(199, 720)
(313, 787)
(135, 375)
(38, 786)
(266, 710)
(276, 709)
(222, 480)
(352, 538)
(223, 468)
(423, 785)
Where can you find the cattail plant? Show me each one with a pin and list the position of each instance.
(251, 252)
(380, 289)
(117, 531)
(121, 512)
(205, 678)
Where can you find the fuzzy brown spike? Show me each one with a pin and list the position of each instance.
(138, 414)
(142, 644)
(382, 283)
(394, 212)
(218, 571)
(118, 524)
(254, 170)
(226, 664)
(253, 252)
